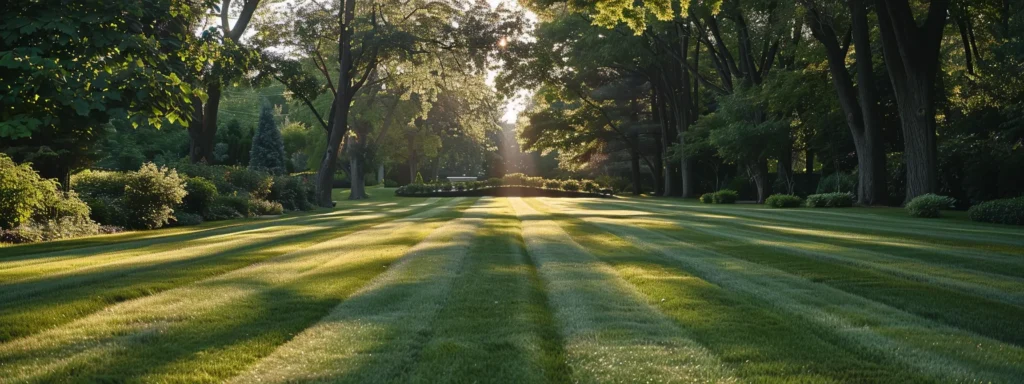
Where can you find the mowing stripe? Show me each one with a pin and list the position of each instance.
(995, 257)
(214, 329)
(32, 306)
(611, 334)
(965, 232)
(933, 349)
(496, 325)
(1002, 288)
(377, 333)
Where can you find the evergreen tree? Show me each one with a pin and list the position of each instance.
(267, 145)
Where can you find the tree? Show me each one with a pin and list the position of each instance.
(860, 101)
(227, 60)
(267, 146)
(912, 59)
(68, 68)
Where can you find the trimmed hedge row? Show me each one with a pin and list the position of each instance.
(830, 200)
(1003, 211)
(511, 180)
(784, 201)
(725, 196)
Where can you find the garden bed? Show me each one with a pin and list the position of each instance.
(506, 191)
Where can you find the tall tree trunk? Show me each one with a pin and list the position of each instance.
(343, 103)
(357, 173)
(667, 136)
(658, 167)
(759, 173)
(785, 167)
(809, 161)
(860, 103)
(912, 59)
(683, 118)
(634, 162)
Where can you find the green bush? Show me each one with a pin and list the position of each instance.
(571, 185)
(263, 208)
(388, 183)
(725, 196)
(99, 183)
(493, 182)
(150, 195)
(256, 183)
(590, 186)
(783, 201)
(239, 204)
(267, 150)
(419, 179)
(184, 219)
(106, 210)
(34, 209)
(929, 205)
(1003, 211)
(552, 184)
(707, 198)
(837, 182)
(21, 192)
(293, 192)
(222, 212)
(199, 196)
(830, 200)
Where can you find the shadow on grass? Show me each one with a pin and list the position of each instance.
(36, 305)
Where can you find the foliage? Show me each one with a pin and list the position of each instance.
(830, 200)
(21, 192)
(262, 207)
(222, 212)
(725, 196)
(1003, 211)
(388, 183)
(234, 143)
(295, 193)
(707, 198)
(838, 182)
(150, 195)
(253, 182)
(783, 201)
(184, 219)
(200, 194)
(419, 179)
(929, 205)
(267, 151)
(70, 66)
(238, 204)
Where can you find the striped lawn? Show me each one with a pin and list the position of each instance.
(525, 290)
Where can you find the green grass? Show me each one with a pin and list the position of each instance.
(523, 290)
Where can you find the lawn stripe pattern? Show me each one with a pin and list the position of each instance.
(611, 333)
(32, 305)
(212, 329)
(929, 347)
(380, 330)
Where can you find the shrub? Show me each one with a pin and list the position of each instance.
(725, 196)
(837, 182)
(150, 194)
(707, 198)
(1003, 211)
(239, 204)
(571, 185)
(263, 207)
(106, 210)
(199, 196)
(253, 182)
(830, 200)
(99, 183)
(493, 182)
(295, 193)
(783, 201)
(21, 192)
(419, 179)
(552, 184)
(184, 219)
(222, 212)
(267, 151)
(388, 183)
(929, 205)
